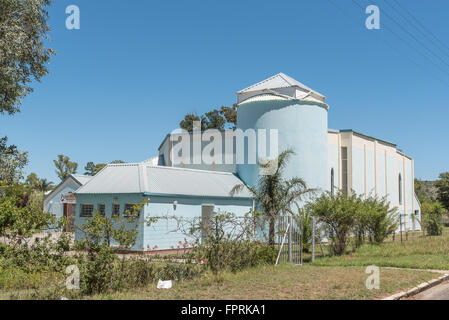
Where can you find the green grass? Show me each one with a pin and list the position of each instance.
(283, 282)
(418, 252)
(327, 278)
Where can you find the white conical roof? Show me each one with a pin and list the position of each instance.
(283, 85)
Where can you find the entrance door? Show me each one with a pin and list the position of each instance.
(69, 210)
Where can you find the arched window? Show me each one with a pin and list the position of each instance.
(332, 181)
(400, 188)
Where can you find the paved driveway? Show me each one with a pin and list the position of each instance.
(439, 292)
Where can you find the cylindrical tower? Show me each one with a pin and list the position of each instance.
(299, 114)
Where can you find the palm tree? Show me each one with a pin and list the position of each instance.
(44, 185)
(276, 195)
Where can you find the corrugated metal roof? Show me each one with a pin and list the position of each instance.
(82, 178)
(145, 178)
(279, 80)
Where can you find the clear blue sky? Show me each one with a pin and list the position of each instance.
(125, 79)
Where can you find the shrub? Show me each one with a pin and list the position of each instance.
(378, 219)
(338, 213)
(432, 214)
(17, 279)
(96, 270)
(227, 242)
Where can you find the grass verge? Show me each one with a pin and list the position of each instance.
(419, 253)
(284, 282)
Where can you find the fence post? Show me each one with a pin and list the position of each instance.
(313, 239)
(290, 258)
(400, 225)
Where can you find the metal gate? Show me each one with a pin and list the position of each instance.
(288, 239)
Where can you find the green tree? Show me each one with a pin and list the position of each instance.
(338, 213)
(274, 194)
(230, 114)
(443, 189)
(117, 161)
(43, 185)
(213, 120)
(187, 122)
(12, 161)
(19, 218)
(426, 190)
(65, 167)
(100, 232)
(432, 214)
(92, 168)
(23, 56)
(32, 180)
(378, 219)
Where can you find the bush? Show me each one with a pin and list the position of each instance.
(227, 242)
(432, 214)
(17, 279)
(338, 213)
(376, 220)
(305, 219)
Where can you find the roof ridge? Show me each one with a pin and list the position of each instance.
(260, 82)
(283, 75)
(81, 175)
(123, 164)
(188, 169)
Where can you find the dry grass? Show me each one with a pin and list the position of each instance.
(284, 282)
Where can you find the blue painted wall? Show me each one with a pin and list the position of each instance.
(164, 233)
(108, 200)
(159, 234)
(53, 204)
(302, 127)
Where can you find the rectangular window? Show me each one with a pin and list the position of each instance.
(102, 209)
(86, 210)
(344, 169)
(115, 209)
(129, 210)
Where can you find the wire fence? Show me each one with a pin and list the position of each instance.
(289, 239)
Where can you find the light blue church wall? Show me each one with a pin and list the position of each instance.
(302, 126)
(108, 200)
(165, 234)
(161, 233)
